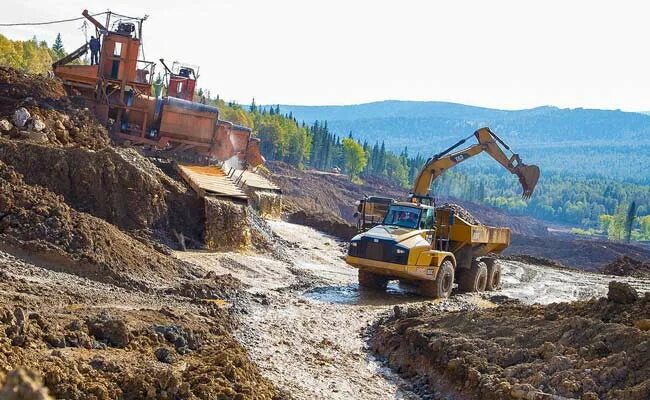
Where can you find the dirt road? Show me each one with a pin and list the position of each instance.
(305, 326)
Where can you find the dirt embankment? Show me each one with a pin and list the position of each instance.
(38, 224)
(585, 254)
(591, 349)
(627, 266)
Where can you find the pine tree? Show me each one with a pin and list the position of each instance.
(253, 107)
(57, 47)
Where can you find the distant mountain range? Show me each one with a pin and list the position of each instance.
(610, 143)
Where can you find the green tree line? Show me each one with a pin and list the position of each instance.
(31, 56)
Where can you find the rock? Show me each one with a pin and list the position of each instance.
(110, 330)
(21, 116)
(643, 324)
(23, 385)
(36, 124)
(38, 137)
(58, 126)
(164, 355)
(5, 126)
(622, 293)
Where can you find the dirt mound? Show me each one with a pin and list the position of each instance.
(80, 339)
(627, 266)
(37, 223)
(17, 85)
(37, 109)
(590, 350)
(117, 356)
(118, 185)
(460, 211)
(323, 193)
(585, 254)
(324, 222)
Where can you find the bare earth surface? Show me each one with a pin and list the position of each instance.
(305, 327)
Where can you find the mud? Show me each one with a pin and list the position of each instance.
(117, 185)
(38, 224)
(226, 225)
(627, 266)
(80, 339)
(306, 324)
(588, 349)
(584, 254)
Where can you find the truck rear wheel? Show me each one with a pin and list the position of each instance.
(493, 275)
(474, 279)
(440, 288)
(372, 281)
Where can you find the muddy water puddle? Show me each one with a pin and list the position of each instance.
(351, 295)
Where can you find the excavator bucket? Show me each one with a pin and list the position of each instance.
(528, 177)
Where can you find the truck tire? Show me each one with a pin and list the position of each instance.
(368, 280)
(474, 279)
(440, 288)
(493, 275)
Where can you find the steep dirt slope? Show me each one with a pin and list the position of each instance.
(38, 224)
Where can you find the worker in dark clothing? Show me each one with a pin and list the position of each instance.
(94, 50)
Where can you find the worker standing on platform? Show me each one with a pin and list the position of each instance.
(94, 50)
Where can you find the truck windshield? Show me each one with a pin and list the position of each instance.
(403, 216)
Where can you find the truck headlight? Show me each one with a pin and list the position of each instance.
(353, 244)
(400, 251)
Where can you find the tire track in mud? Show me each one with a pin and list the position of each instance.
(305, 324)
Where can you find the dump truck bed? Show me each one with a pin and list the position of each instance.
(493, 240)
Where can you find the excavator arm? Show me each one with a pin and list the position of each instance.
(487, 141)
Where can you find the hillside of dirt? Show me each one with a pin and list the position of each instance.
(320, 199)
(39, 224)
(92, 305)
(593, 349)
(585, 254)
(628, 266)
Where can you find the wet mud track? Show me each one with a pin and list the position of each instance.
(306, 322)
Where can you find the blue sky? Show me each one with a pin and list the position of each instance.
(502, 54)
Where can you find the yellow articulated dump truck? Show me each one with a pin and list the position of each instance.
(431, 248)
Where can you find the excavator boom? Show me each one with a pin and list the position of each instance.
(487, 141)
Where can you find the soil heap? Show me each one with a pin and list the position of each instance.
(627, 266)
(39, 225)
(590, 350)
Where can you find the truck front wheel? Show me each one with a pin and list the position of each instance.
(372, 281)
(440, 288)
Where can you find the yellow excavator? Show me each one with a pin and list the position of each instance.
(428, 247)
